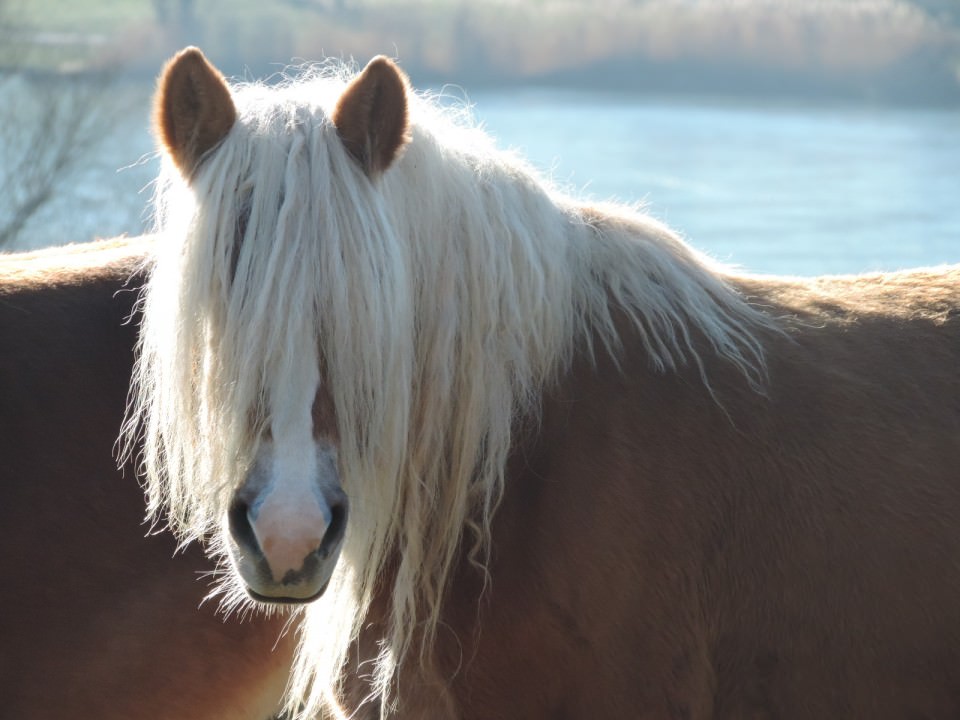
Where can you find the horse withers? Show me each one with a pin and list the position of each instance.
(531, 456)
(99, 619)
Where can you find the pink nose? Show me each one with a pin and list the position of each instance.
(285, 542)
(289, 533)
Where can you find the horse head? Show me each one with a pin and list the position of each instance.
(287, 516)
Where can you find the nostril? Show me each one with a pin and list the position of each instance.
(336, 529)
(240, 528)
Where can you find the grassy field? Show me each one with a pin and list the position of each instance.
(870, 47)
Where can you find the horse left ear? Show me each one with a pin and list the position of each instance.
(371, 115)
(193, 109)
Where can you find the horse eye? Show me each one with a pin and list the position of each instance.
(240, 231)
(243, 219)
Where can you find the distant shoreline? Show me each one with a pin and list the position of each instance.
(881, 52)
(637, 78)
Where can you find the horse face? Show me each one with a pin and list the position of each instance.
(286, 523)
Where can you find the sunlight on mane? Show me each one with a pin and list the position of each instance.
(439, 301)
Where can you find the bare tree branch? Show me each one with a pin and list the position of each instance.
(50, 124)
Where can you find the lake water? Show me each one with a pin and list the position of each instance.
(772, 188)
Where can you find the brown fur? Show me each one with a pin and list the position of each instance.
(661, 553)
(371, 115)
(99, 620)
(193, 110)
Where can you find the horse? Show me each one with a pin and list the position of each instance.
(519, 455)
(100, 619)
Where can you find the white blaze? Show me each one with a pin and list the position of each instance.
(290, 515)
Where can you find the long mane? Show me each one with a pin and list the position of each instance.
(438, 302)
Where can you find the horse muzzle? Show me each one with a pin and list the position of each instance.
(287, 554)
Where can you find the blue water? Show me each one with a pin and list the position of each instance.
(780, 189)
(772, 188)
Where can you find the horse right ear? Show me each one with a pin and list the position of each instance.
(371, 115)
(193, 110)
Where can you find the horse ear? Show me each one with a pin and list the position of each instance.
(193, 110)
(371, 115)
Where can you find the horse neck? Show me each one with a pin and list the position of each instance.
(509, 278)
(544, 272)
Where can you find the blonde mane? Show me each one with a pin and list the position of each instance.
(438, 301)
